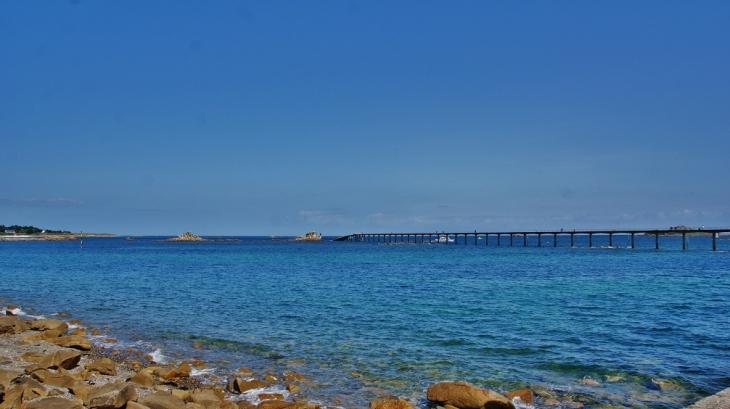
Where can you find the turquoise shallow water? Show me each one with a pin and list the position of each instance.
(366, 319)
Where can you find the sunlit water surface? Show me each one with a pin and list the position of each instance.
(363, 320)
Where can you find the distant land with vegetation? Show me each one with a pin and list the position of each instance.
(18, 232)
(16, 229)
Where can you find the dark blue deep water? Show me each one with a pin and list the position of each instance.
(366, 319)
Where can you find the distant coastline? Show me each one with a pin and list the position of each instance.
(52, 236)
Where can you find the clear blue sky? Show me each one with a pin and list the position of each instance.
(272, 117)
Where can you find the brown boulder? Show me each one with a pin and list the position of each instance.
(292, 376)
(271, 396)
(34, 357)
(390, 402)
(135, 405)
(44, 335)
(143, 378)
(45, 325)
(273, 404)
(237, 385)
(60, 378)
(72, 341)
(162, 400)
(25, 390)
(244, 404)
(12, 325)
(293, 388)
(64, 358)
(206, 398)
(53, 403)
(104, 366)
(111, 396)
(278, 404)
(464, 395)
(524, 394)
(81, 390)
(8, 375)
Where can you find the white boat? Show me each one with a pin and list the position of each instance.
(443, 239)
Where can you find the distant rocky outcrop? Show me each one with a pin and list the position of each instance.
(187, 236)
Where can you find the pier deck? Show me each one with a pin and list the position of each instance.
(522, 236)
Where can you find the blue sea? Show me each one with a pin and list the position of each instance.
(604, 326)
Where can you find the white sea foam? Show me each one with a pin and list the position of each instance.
(157, 356)
(521, 405)
(253, 394)
(202, 372)
(17, 311)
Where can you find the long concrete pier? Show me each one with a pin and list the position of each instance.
(520, 238)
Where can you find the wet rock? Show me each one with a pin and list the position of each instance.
(551, 402)
(237, 385)
(64, 358)
(162, 400)
(390, 402)
(53, 403)
(60, 378)
(293, 388)
(291, 376)
(543, 392)
(78, 331)
(169, 372)
(104, 366)
(198, 363)
(277, 404)
(273, 404)
(570, 404)
(111, 396)
(464, 395)
(245, 372)
(588, 381)
(72, 341)
(243, 404)
(614, 378)
(10, 309)
(525, 395)
(663, 384)
(271, 396)
(46, 325)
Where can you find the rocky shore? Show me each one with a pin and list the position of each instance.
(60, 364)
(53, 363)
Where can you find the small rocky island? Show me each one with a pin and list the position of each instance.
(187, 236)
